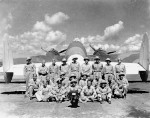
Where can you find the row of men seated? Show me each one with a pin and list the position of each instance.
(87, 88)
(96, 70)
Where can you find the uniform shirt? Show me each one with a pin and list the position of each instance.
(45, 90)
(108, 69)
(64, 68)
(29, 68)
(53, 69)
(95, 83)
(65, 82)
(43, 70)
(104, 90)
(123, 82)
(59, 91)
(88, 91)
(97, 67)
(34, 83)
(86, 69)
(83, 83)
(74, 67)
(120, 68)
(76, 88)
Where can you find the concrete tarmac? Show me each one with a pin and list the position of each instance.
(14, 105)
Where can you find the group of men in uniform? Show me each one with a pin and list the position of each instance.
(91, 82)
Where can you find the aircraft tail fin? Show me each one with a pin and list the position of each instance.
(7, 56)
(144, 57)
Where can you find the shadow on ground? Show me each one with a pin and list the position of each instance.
(136, 113)
(130, 91)
(136, 90)
(14, 92)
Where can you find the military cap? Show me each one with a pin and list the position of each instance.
(73, 81)
(62, 73)
(97, 58)
(64, 60)
(86, 58)
(75, 58)
(121, 74)
(28, 58)
(72, 75)
(58, 80)
(108, 59)
(103, 82)
(84, 75)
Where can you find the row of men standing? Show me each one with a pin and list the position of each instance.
(52, 73)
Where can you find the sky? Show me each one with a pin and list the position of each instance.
(29, 25)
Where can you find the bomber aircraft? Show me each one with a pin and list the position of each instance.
(76, 49)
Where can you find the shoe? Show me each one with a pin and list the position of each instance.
(100, 102)
(109, 101)
(31, 98)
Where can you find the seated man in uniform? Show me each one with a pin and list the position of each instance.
(43, 72)
(88, 92)
(114, 87)
(64, 80)
(43, 93)
(123, 84)
(59, 92)
(34, 85)
(103, 92)
(73, 87)
(83, 80)
(96, 82)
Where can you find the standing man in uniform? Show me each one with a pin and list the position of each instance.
(53, 71)
(86, 68)
(75, 68)
(97, 69)
(29, 70)
(120, 68)
(64, 68)
(108, 70)
(43, 72)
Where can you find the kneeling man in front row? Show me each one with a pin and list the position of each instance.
(104, 92)
(88, 92)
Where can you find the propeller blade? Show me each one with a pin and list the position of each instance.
(92, 47)
(111, 52)
(63, 51)
(43, 49)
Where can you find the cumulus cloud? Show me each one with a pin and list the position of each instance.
(41, 35)
(90, 39)
(132, 43)
(56, 18)
(55, 37)
(41, 26)
(112, 32)
(134, 39)
(31, 42)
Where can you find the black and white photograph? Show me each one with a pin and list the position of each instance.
(74, 58)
